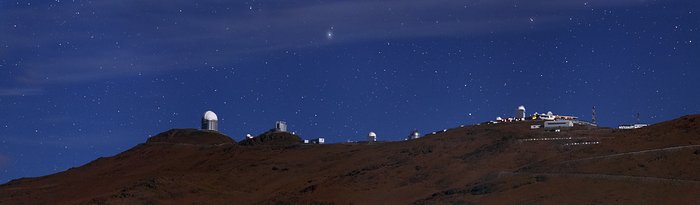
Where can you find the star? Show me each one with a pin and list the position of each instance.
(329, 34)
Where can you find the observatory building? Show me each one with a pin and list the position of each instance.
(414, 135)
(210, 121)
(520, 113)
(319, 140)
(280, 126)
(550, 125)
(372, 137)
(632, 126)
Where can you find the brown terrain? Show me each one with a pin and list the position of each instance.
(504, 163)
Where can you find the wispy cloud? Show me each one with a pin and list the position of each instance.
(20, 91)
(81, 42)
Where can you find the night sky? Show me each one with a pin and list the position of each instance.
(86, 79)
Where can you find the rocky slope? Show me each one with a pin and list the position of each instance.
(485, 164)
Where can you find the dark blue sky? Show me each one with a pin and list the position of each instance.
(84, 79)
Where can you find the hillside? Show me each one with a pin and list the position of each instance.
(484, 164)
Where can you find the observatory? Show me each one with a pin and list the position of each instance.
(520, 113)
(372, 137)
(280, 126)
(210, 121)
(632, 126)
(551, 125)
(414, 135)
(319, 140)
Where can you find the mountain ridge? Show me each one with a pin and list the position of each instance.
(506, 163)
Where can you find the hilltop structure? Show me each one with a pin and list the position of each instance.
(414, 135)
(553, 125)
(551, 116)
(272, 138)
(520, 113)
(280, 126)
(210, 121)
(319, 140)
(372, 137)
(632, 126)
(560, 120)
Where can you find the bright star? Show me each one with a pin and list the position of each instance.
(329, 34)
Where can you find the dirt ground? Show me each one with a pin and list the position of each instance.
(504, 163)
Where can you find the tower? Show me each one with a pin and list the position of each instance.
(280, 126)
(372, 137)
(210, 121)
(520, 113)
(593, 115)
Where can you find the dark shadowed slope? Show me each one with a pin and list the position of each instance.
(486, 164)
(191, 136)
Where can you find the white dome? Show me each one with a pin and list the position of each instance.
(372, 134)
(209, 115)
(521, 107)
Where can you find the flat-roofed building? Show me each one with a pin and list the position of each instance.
(558, 124)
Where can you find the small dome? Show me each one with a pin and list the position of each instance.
(372, 134)
(209, 115)
(521, 107)
(415, 134)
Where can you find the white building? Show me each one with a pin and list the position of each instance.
(280, 126)
(551, 116)
(520, 113)
(558, 124)
(372, 137)
(548, 116)
(319, 140)
(630, 127)
(414, 135)
(210, 121)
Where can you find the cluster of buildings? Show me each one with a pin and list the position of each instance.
(550, 120)
(554, 122)
(210, 122)
(520, 115)
(631, 126)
